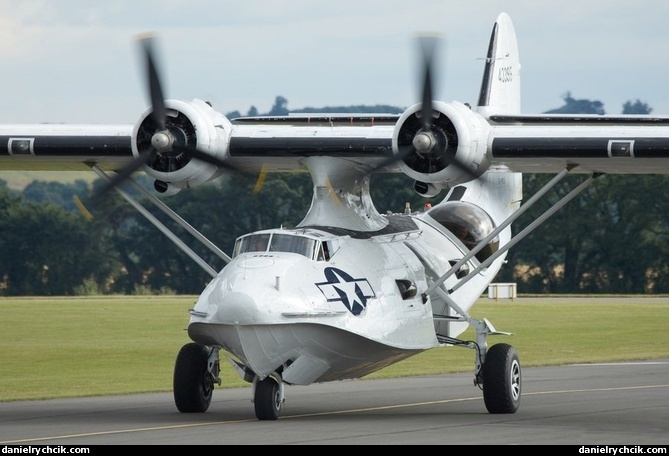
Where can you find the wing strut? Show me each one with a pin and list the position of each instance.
(528, 229)
(483, 327)
(181, 222)
(496, 231)
(158, 224)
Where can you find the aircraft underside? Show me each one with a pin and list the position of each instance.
(301, 353)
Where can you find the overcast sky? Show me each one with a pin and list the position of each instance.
(77, 61)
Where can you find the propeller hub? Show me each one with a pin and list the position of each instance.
(162, 141)
(424, 142)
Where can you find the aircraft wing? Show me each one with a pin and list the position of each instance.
(524, 143)
(596, 144)
(439, 144)
(52, 147)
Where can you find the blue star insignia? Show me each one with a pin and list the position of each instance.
(340, 286)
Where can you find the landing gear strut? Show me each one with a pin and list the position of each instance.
(497, 370)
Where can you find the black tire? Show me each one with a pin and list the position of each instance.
(267, 399)
(193, 386)
(501, 379)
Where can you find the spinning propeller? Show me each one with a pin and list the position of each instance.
(424, 141)
(427, 140)
(169, 147)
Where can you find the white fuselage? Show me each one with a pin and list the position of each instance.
(336, 318)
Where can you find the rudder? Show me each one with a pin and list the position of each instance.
(500, 88)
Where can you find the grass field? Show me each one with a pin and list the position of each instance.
(92, 346)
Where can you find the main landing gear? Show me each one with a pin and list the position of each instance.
(497, 371)
(197, 371)
(500, 379)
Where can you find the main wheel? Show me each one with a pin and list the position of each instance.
(501, 379)
(193, 385)
(267, 399)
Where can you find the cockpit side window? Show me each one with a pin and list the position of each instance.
(323, 252)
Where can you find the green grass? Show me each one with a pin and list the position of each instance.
(74, 347)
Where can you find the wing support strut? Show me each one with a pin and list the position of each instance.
(483, 327)
(166, 231)
(456, 267)
(528, 229)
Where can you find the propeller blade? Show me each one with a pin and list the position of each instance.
(155, 89)
(163, 143)
(332, 193)
(428, 47)
(404, 152)
(123, 174)
(261, 179)
(82, 208)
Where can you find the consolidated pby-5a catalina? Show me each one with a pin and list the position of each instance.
(350, 291)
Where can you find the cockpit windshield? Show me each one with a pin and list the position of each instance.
(276, 242)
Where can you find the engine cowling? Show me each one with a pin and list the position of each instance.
(193, 124)
(452, 152)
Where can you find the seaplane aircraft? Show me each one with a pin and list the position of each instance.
(350, 291)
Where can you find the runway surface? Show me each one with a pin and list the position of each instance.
(599, 404)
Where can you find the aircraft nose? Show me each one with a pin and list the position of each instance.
(252, 291)
(237, 308)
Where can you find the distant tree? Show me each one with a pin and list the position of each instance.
(45, 250)
(280, 107)
(253, 111)
(637, 107)
(59, 193)
(574, 106)
(357, 109)
(609, 239)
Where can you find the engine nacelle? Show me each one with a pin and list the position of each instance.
(451, 153)
(193, 124)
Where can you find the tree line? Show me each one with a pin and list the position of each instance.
(609, 239)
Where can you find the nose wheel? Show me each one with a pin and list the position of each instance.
(268, 399)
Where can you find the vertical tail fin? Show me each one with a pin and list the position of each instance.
(500, 88)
